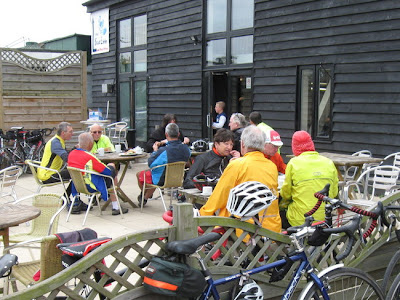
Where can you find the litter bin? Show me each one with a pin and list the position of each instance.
(130, 136)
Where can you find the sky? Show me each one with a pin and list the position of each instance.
(24, 21)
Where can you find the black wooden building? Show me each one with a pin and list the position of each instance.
(331, 67)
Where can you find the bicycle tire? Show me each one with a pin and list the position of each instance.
(392, 270)
(346, 283)
(38, 155)
(5, 159)
(394, 291)
(19, 158)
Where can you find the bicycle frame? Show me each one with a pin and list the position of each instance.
(304, 268)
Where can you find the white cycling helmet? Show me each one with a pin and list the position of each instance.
(248, 199)
(250, 291)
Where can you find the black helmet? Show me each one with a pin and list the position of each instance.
(200, 146)
(204, 180)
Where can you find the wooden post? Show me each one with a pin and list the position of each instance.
(183, 220)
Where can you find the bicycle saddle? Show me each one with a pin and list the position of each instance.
(6, 263)
(190, 246)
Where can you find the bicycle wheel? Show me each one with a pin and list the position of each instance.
(347, 283)
(5, 159)
(394, 291)
(38, 155)
(19, 158)
(392, 270)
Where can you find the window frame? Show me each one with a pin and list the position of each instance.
(228, 35)
(315, 100)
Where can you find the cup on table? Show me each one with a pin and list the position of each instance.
(207, 190)
(118, 148)
(100, 151)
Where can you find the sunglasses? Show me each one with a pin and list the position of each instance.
(97, 132)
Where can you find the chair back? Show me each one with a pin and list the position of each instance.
(117, 132)
(396, 159)
(78, 180)
(50, 206)
(49, 263)
(9, 177)
(378, 180)
(174, 174)
(34, 165)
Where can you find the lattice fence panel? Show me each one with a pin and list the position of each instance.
(41, 65)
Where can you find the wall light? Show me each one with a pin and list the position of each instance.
(194, 39)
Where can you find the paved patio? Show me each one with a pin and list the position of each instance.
(105, 225)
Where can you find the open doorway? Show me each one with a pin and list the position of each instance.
(234, 88)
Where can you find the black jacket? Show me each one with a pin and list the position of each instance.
(157, 136)
(208, 164)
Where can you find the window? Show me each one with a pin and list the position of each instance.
(315, 100)
(141, 111)
(229, 32)
(137, 50)
(132, 68)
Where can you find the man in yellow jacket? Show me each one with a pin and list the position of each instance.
(253, 166)
(306, 173)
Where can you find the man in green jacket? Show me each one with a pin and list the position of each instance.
(100, 140)
(306, 173)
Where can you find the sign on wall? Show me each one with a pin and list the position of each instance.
(100, 31)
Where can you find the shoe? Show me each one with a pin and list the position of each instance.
(76, 209)
(84, 206)
(117, 212)
(139, 199)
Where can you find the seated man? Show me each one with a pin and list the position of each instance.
(82, 158)
(173, 151)
(100, 140)
(237, 123)
(306, 173)
(252, 166)
(55, 157)
(272, 145)
(214, 162)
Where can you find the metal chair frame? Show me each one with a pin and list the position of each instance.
(8, 179)
(174, 173)
(117, 133)
(81, 188)
(364, 190)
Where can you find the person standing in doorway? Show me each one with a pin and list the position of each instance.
(220, 120)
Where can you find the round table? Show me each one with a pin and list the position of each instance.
(117, 159)
(13, 215)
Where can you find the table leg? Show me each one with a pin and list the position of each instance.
(6, 240)
(120, 192)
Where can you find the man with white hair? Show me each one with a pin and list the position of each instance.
(237, 123)
(252, 166)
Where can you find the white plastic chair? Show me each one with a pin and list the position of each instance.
(352, 171)
(9, 177)
(396, 159)
(117, 133)
(383, 180)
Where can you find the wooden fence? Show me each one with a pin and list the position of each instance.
(40, 93)
(127, 251)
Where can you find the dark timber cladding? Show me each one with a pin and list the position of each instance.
(360, 39)
(173, 62)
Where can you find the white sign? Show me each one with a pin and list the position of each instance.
(248, 82)
(100, 31)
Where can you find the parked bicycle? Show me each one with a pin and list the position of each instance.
(19, 144)
(335, 282)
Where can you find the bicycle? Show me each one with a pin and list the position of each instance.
(26, 144)
(328, 284)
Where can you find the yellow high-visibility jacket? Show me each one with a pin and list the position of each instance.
(253, 166)
(306, 174)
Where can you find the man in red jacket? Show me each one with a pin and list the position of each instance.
(271, 147)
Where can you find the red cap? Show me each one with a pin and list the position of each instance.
(302, 142)
(273, 138)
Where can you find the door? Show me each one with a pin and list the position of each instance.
(234, 88)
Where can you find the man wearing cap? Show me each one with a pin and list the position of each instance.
(306, 173)
(252, 166)
(272, 144)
